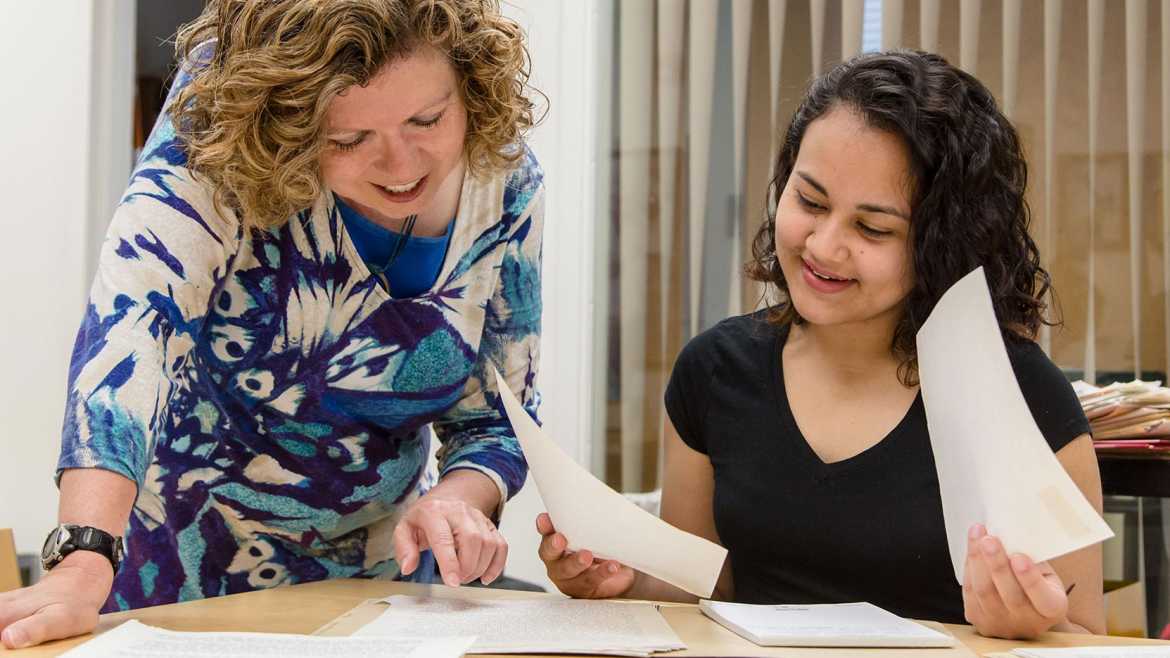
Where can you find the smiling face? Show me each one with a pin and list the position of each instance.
(394, 143)
(842, 224)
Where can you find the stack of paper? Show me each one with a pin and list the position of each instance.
(994, 466)
(136, 640)
(545, 625)
(824, 625)
(1134, 411)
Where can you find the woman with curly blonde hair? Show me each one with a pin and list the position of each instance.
(330, 240)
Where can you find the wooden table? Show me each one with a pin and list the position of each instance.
(306, 608)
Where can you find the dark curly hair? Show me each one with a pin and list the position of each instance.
(968, 176)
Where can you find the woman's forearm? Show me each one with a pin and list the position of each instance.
(95, 497)
(470, 486)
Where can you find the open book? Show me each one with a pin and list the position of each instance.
(823, 625)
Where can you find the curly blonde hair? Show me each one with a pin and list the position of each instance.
(252, 117)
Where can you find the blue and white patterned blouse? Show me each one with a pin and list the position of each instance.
(274, 404)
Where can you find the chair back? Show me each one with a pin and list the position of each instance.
(9, 569)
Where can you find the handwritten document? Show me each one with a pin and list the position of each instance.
(544, 625)
(137, 640)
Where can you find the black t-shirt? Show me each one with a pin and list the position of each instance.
(798, 530)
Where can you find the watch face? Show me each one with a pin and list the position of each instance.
(50, 544)
(65, 539)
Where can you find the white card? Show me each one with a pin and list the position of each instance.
(593, 516)
(994, 465)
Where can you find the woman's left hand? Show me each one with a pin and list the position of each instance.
(466, 544)
(1009, 597)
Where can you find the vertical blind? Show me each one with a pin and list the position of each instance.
(702, 90)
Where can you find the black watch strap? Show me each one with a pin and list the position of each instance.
(67, 538)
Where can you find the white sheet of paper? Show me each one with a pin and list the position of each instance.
(593, 516)
(1133, 651)
(545, 625)
(137, 640)
(994, 466)
(823, 625)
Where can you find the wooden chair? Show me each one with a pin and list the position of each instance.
(9, 570)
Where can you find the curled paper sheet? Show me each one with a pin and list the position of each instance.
(593, 516)
(994, 466)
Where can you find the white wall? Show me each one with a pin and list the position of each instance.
(562, 39)
(46, 179)
(110, 117)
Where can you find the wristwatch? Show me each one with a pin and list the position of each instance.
(64, 539)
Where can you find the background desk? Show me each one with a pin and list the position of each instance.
(306, 608)
(1145, 475)
(1135, 475)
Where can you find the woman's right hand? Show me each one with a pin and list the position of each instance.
(578, 573)
(64, 603)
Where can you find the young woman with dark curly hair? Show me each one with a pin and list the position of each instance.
(797, 437)
(331, 237)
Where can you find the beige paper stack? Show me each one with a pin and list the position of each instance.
(1129, 410)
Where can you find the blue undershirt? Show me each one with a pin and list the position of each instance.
(418, 264)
